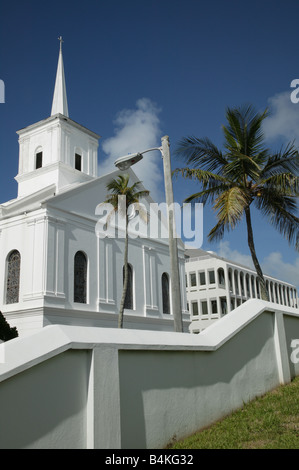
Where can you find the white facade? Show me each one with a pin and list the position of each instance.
(216, 286)
(51, 225)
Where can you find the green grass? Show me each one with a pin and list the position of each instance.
(268, 422)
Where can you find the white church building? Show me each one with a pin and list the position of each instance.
(55, 269)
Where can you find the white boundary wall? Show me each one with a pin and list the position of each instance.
(88, 387)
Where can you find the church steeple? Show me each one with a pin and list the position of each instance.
(59, 104)
(57, 150)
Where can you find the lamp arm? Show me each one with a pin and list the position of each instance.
(150, 150)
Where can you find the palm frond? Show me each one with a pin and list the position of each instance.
(140, 194)
(244, 133)
(122, 195)
(280, 210)
(255, 140)
(212, 184)
(112, 199)
(233, 132)
(207, 195)
(284, 161)
(217, 232)
(119, 184)
(203, 176)
(242, 166)
(230, 206)
(201, 153)
(285, 183)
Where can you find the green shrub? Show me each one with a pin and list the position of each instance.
(6, 331)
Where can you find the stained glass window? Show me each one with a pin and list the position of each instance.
(165, 293)
(80, 277)
(13, 277)
(129, 293)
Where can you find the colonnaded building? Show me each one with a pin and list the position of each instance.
(55, 269)
(216, 286)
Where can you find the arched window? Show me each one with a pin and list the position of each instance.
(242, 283)
(78, 162)
(247, 285)
(165, 293)
(284, 295)
(236, 282)
(292, 297)
(129, 293)
(80, 277)
(258, 288)
(271, 291)
(38, 158)
(221, 278)
(280, 294)
(13, 277)
(276, 294)
(288, 297)
(230, 280)
(253, 286)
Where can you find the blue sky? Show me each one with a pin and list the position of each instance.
(137, 70)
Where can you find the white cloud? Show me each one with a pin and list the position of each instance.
(283, 121)
(272, 265)
(225, 251)
(136, 130)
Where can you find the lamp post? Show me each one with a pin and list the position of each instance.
(123, 163)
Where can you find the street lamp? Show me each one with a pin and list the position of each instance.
(123, 163)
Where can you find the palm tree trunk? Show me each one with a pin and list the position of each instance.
(259, 272)
(125, 285)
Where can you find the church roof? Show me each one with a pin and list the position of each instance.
(48, 194)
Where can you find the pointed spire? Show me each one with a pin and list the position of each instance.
(59, 104)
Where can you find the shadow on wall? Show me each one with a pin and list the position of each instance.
(167, 393)
(59, 404)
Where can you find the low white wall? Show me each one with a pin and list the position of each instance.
(84, 387)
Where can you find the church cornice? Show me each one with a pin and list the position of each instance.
(58, 119)
(47, 168)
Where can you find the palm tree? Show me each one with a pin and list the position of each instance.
(246, 173)
(121, 197)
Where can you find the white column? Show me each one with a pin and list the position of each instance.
(183, 283)
(35, 258)
(106, 273)
(151, 284)
(103, 422)
(60, 261)
(281, 349)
